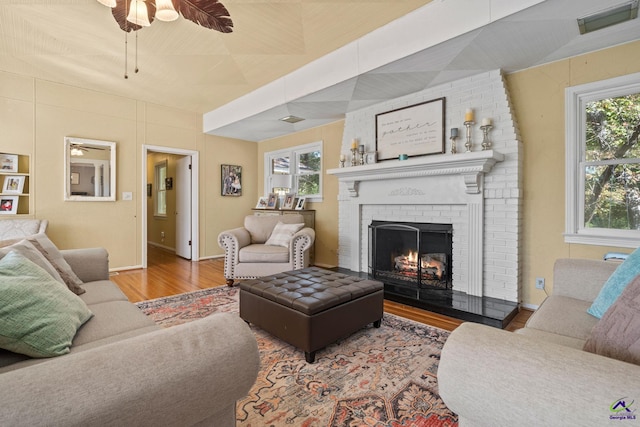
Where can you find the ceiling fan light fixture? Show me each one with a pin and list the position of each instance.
(165, 11)
(109, 3)
(138, 13)
(292, 119)
(608, 17)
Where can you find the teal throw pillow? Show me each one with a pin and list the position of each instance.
(613, 287)
(39, 316)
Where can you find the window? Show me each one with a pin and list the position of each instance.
(295, 170)
(160, 205)
(603, 163)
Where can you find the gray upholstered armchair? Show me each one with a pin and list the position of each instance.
(267, 244)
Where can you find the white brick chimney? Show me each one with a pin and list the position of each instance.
(478, 193)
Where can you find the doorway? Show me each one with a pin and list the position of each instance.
(170, 201)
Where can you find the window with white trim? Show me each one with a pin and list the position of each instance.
(603, 163)
(160, 178)
(295, 170)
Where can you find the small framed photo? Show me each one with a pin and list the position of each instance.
(231, 180)
(262, 203)
(272, 201)
(8, 162)
(300, 203)
(8, 205)
(13, 184)
(289, 201)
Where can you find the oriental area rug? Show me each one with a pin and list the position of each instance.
(378, 377)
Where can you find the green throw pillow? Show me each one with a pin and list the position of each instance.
(39, 316)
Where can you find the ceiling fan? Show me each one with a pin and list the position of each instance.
(79, 149)
(132, 15)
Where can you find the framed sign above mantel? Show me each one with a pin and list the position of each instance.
(416, 130)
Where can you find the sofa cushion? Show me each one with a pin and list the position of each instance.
(263, 254)
(102, 291)
(39, 316)
(261, 226)
(617, 334)
(112, 319)
(54, 256)
(282, 234)
(563, 316)
(614, 286)
(30, 252)
(563, 340)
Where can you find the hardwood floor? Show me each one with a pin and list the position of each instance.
(168, 275)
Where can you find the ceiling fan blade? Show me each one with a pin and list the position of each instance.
(121, 11)
(207, 13)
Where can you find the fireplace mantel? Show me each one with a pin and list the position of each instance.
(471, 166)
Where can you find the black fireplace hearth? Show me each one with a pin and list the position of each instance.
(414, 261)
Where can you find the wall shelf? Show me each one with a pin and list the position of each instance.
(23, 197)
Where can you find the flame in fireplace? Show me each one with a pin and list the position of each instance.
(410, 263)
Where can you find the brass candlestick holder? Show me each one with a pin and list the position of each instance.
(468, 144)
(353, 156)
(454, 149)
(486, 144)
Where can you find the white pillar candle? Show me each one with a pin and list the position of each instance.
(486, 121)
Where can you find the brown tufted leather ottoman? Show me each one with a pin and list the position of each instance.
(311, 308)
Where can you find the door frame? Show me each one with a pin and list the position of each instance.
(195, 180)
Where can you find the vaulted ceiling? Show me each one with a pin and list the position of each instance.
(182, 65)
(77, 42)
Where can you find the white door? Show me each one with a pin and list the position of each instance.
(182, 187)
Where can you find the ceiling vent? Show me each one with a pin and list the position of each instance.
(608, 17)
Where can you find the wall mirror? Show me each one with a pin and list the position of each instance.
(90, 170)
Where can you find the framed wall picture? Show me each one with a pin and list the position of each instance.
(13, 184)
(272, 201)
(412, 131)
(300, 203)
(8, 162)
(262, 203)
(8, 205)
(289, 201)
(231, 180)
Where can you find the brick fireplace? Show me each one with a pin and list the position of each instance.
(477, 193)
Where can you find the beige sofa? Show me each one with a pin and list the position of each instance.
(123, 370)
(248, 252)
(540, 376)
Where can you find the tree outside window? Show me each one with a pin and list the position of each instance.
(603, 163)
(302, 165)
(612, 172)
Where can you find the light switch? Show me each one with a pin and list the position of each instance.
(127, 195)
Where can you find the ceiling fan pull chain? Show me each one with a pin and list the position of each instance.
(126, 75)
(136, 52)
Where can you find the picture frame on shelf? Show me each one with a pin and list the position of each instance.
(272, 201)
(300, 203)
(416, 130)
(13, 184)
(8, 205)
(289, 201)
(8, 162)
(262, 202)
